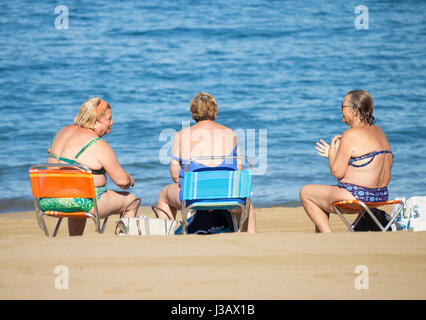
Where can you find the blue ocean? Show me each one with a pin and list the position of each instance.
(278, 69)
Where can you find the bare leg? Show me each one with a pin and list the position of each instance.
(250, 223)
(111, 202)
(114, 202)
(318, 203)
(76, 226)
(168, 200)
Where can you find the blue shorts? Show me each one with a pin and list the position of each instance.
(366, 194)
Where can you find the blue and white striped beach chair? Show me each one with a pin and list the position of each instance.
(216, 189)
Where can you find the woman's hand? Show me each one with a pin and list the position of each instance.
(323, 148)
(335, 143)
(131, 182)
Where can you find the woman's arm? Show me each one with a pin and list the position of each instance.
(239, 162)
(240, 165)
(339, 154)
(112, 167)
(174, 164)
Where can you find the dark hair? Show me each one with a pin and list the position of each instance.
(362, 101)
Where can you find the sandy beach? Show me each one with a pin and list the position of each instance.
(284, 260)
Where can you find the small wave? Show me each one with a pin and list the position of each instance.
(16, 205)
(236, 33)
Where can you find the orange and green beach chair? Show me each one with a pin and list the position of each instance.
(64, 191)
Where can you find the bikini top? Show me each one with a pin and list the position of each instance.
(196, 166)
(365, 156)
(72, 161)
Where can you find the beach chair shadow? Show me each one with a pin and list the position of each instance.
(65, 181)
(360, 207)
(218, 190)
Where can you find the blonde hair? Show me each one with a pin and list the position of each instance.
(203, 107)
(89, 113)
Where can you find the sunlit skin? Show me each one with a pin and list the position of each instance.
(359, 139)
(201, 139)
(99, 155)
(103, 126)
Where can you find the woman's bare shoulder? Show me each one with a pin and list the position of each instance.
(101, 146)
(378, 129)
(65, 134)
(221, 126)
(76, 131)
(184, 131)
(352, 133)
(67, 129)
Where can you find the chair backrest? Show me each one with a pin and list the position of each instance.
(61, 181)
(217, 185)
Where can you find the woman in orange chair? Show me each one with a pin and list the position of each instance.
(205, 138)
(82, 143)
(360, 159)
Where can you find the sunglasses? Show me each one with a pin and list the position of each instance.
(343, 106)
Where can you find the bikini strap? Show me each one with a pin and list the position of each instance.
(70, 161)
(368, 155)
(235, 149)
(176, 158)
(85, 147)
(50, 146)
(385, 151)
(54, 156)
(361, 165)
(181, 161)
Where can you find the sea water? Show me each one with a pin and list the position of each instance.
(278, 69)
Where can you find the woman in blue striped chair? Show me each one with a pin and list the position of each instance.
(82, 143)
(205, 138)
(361, 159)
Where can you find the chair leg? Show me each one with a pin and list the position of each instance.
(185, 222)
(104, 225)
(39, 216)
(96, 221)
(57, 227)
(377, 222)
(394, 217)
(245, 213)
(344, 219)
(42, 224)
(235, 222)
(358, 219)
(184, 214)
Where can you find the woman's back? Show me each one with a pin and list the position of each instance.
(373, 170)
(207, 138)
(69, 144)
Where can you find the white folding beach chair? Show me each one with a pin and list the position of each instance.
(357, 206)
(216, 189)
